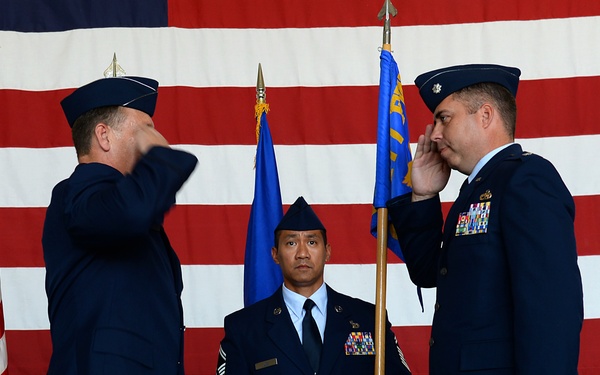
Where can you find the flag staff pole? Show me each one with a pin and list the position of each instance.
(382, 228)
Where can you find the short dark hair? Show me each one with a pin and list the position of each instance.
(83, 127)
(278, 234)
(476, 95)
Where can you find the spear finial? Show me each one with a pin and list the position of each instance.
(261, 105)
(260, 86)
(114, 69)
(387, 9)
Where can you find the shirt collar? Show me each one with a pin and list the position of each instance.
(483, 161)
(295, 301)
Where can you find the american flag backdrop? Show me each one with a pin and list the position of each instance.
(320, 61)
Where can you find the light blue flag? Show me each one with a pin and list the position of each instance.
(261, 275)
(394, 159)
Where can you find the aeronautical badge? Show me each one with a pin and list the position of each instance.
(475, 221)
(360, 343)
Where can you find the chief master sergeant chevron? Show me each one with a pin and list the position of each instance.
(509, 294)
(113, 280)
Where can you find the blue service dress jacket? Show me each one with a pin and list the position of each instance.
(261, 339)
(509, 293)
(113, 280)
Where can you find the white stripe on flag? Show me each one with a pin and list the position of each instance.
(199, 58)
(3, 354)
(27, 307)
(34, 172)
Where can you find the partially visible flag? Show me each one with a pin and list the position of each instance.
(3, 354)
(394, 160)
(261, 275)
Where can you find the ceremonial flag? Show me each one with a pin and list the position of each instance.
(392, 171)
(262, 276)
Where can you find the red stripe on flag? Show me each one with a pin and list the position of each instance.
(589, 355)
(22, 237)
(195, 229)
(336, 13)
(188, 115)
(30, 350)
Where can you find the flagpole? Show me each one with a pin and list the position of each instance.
(382, 228)
(380, 291)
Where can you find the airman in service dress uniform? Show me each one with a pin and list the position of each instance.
(504, 262)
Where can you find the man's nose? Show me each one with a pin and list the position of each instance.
(302, 251)
(436, 132)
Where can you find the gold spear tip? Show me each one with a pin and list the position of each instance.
(260, 85)
(388, 8)
(114, 69)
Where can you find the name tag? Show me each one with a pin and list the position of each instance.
(265, 364)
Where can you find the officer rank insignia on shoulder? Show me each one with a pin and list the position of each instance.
(360, 343)
(475, 221)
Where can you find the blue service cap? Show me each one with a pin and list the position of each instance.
(300, 216)
(436, 85)
(127, 91)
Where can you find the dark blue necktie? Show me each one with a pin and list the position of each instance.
(311, 339)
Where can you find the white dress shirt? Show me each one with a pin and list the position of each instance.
(295, 305)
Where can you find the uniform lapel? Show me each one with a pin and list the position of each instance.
(336, 332)
(283, 334)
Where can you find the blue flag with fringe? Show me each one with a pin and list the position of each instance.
(394, 159)
(261, 275)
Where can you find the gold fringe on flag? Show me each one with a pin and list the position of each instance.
(259, 109)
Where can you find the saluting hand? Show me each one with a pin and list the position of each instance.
(149, 137)
(430, 172)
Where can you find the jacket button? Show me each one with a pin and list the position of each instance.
(443, 271)
(431, 341)
(437, 306)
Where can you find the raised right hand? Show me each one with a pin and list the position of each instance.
(430, 172)
(149, 137)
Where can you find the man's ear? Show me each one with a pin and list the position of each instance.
(486, 113)
(274, 255)
(101, 132)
